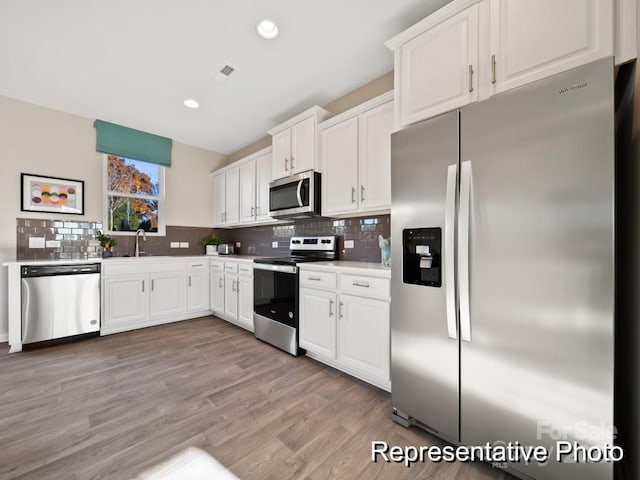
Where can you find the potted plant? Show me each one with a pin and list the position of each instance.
(210, 242)
(107, 243)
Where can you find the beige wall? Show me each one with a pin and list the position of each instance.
(39, 140)
(368, 91)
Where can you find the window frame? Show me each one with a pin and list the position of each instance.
(106, 193)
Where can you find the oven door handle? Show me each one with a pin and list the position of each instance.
(276, 268)
(299, 193)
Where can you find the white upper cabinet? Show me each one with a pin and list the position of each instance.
(263, 177)
(374, 127)
(226, 187)
(355, 158)
(339, 152)
(294, 143)
(247, 191)
(438, 70)
(533, 40)
(471, 49)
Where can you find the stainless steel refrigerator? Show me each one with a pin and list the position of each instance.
(502, 309)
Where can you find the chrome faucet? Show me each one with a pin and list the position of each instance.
(144, 238)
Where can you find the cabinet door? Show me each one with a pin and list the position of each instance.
(303, 145)
(197, 290)
(245, 301)
(374, 160)
(281, 142)
(247, 192)
(126, 299)
(339, 159)
(363, 333)
(217, 292)
(318, 322)
(219, 195)
(167, 295)
(263, 177)
(231, 296)
(533, 40)
(232, 196)
(436, 68)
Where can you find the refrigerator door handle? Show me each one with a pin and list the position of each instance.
(463, 249)
(449, 251)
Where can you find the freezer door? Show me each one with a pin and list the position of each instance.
(424, 345)
(538, 167)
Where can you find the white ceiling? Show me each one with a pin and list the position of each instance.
(133, 62)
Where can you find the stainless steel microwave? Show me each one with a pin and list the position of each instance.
(294, 197)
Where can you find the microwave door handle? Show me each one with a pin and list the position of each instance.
(299, 193)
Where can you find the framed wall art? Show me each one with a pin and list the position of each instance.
(51, 194)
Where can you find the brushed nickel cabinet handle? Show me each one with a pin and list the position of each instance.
(340, 305)
(493, 69)
(470, 78)
(353, 194)
(362, 193)
(361, 284)
(220, 283)
(315, 279)
(142, 286)
(286, 164)
(292, 159)
(331, 308)
(189, 281)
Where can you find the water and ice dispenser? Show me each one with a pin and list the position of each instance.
(422, 256)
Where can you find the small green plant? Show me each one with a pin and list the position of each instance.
(212, 239)
(106, 241)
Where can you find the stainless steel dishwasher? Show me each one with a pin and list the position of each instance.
(59, 301)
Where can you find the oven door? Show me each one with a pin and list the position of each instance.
(275, 292)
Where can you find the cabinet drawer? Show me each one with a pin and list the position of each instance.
(230, 267)
(245, 269)
(197, 264)
(365, 286)
(217, 266)
(318, 279)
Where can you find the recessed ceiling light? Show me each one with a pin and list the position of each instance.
(267, 29)
(191, 103)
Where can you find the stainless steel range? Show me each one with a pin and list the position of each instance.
(275, 290)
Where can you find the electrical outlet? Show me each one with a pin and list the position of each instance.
(274, 244)
(348, 244)
(52, 243)
(36, 242)
(184, 244)
(238, 244)
(174, 245)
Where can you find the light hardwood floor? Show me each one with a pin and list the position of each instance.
(113, 406)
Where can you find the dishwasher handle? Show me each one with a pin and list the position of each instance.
(28, 271)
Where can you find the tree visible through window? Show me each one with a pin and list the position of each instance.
(133, 195)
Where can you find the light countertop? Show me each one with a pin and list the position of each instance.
(144, 258)
(347, 266)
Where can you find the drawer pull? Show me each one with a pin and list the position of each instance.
(361, 284)
(196, 265)
(315, 279)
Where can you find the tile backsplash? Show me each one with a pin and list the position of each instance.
(76, 239)
(363, 231)
(63, 239)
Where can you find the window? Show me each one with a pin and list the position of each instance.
(134, 195)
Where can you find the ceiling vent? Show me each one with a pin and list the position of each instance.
(225, 72)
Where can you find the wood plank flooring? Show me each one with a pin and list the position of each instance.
(111, 407)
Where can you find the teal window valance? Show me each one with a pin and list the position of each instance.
(134, 144)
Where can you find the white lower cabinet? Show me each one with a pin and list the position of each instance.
(197, 287)
(232, 291)
(363, 333)
(167, 295)
(125, 300)
(138, 293)
(318, 321)
(346, 323)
